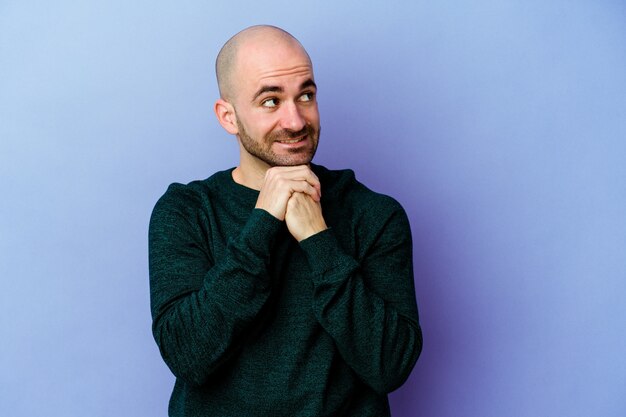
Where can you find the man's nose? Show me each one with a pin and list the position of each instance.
(292, 118)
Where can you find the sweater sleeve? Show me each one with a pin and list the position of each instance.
(369, 307)
(201, 307)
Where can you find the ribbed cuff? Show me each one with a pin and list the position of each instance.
(260, 231)
(324, 252)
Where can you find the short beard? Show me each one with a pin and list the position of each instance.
(262, 149)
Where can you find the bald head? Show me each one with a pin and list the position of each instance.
(253, 38)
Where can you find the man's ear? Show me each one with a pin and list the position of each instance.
(225, 113)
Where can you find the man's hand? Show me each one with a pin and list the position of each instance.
(304, 216)
(281, 183)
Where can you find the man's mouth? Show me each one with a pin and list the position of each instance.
(289, 141)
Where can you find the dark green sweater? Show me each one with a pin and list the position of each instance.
(253, 323)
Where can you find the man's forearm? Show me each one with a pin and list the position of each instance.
(200, 312)
(376, 332)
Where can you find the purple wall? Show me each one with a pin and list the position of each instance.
(500, 126)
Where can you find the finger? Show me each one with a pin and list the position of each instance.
(300, 197)
(305, 188)
(304, 173)
(298, 172)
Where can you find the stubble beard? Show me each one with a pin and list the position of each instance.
(262, 149)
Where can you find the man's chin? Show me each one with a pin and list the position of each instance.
(293, 158)
(291, 162)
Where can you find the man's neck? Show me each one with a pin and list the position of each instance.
(250, 176)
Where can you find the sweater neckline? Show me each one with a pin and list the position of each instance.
(239, 187)
(233, 187)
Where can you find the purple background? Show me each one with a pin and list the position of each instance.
(499, 125)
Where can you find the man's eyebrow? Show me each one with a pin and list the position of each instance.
(267, 89)
(276, 89)
(308, 83)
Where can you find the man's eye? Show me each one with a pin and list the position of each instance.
(270, 102)
(306, 97)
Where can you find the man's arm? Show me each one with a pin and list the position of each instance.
(202, 307)
(368, 308)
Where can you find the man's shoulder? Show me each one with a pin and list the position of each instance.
(194, 193)
(343, 187)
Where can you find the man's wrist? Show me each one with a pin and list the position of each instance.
(311, 232)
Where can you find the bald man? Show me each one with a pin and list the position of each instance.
(279, 287)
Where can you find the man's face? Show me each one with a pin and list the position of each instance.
(276, 107)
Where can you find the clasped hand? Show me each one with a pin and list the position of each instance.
(293, 194)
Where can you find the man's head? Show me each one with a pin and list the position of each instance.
(268, 97)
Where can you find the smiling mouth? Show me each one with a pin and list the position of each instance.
(292, 140)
